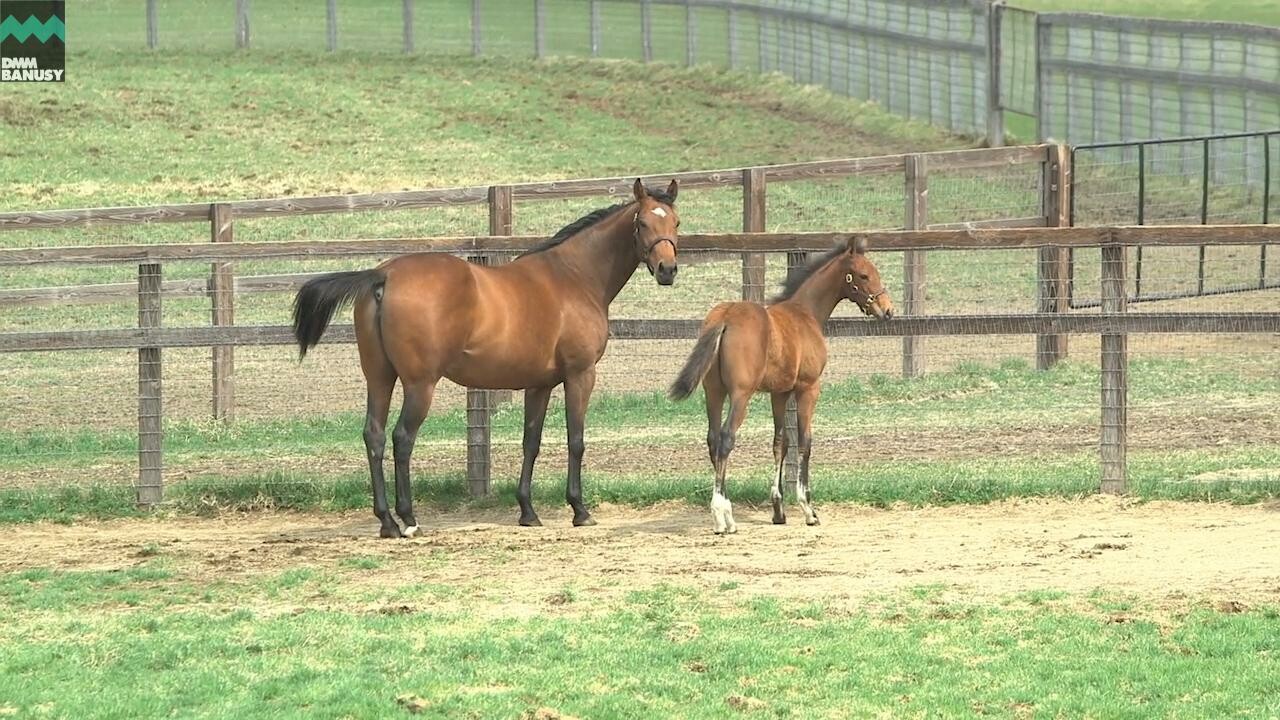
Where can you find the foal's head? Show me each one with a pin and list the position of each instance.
(655, 229)
(862, 283)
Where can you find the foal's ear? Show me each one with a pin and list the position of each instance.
(673, 189)
(858, 245)
(640, 192)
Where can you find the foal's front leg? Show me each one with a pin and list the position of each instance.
(577, 393)
(779, 454)
(806, 403)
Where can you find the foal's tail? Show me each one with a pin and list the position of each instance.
(319, 298)
(699, 362)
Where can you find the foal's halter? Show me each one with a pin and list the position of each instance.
(871, 297)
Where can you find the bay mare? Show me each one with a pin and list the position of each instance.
(532, 324)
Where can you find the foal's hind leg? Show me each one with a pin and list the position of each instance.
(806, 403)
(779, 454)
(721, 508)
(714, 394)
(381, 380)
(417, 403)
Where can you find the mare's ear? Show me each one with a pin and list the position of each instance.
(673, 189)
(858, 245)
(639, 190)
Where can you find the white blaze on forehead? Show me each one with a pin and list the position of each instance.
(659, 212)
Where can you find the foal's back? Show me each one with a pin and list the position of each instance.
(769, 348)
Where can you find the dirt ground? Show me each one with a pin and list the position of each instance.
(1169, 555)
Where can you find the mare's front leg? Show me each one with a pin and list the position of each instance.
(535, 414)
(577, 393)
(806, 403)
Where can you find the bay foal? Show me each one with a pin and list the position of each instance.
(531, 324)
(779, 348)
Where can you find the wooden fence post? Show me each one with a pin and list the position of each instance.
(1053, 269)
(594, 30)
(500, 223)
(913, 273)
(476, 38)
(242, 24)
(222, 290)
(753, 214)
(153, 31)
(331, 25)
(150, 488)
(539, 29)
(995, 113)
(646, 30)
(1115, 370)
(407, 15)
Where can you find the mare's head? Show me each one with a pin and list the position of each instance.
(655, 230)
(862, 283)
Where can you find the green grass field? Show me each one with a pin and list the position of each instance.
(258, 590)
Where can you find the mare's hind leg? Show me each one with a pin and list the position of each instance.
(806, 402)
(721, 508)
(375, 443)
(535, 414)
(417, 403)
(779, 454)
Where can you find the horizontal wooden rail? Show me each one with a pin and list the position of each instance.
(678, 329)
(974, 237)
(547, 190)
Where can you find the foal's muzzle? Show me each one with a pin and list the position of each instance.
(665, 274)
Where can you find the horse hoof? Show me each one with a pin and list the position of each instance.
(812, 521)
(411, 531)
(779, 519)
(531, 521)
(390, 532)
(732, 531)
(584, 521)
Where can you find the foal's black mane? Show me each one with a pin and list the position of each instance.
(797, 276)
(590, 219)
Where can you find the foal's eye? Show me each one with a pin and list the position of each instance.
(864, 277)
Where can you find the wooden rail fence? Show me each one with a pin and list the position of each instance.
(1050, 320)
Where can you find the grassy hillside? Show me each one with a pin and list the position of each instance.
(135, 129)
(1262, 12)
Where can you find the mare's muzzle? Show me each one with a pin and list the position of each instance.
(664, 272)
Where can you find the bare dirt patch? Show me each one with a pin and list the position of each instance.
(1168, 554)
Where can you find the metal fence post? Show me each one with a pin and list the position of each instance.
(153, 32)
(1113, 443)
(222, 290)
(913, 277)
(753, 214)
(646, 30)
(242, 24)
(150, 488)
(595, 28)
(407, 16)
(995, 113)
(690, 35)
(476, 39)
(539, 29)
(1054, 266)
(479, 416)
(331, 25)
(733, 38)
